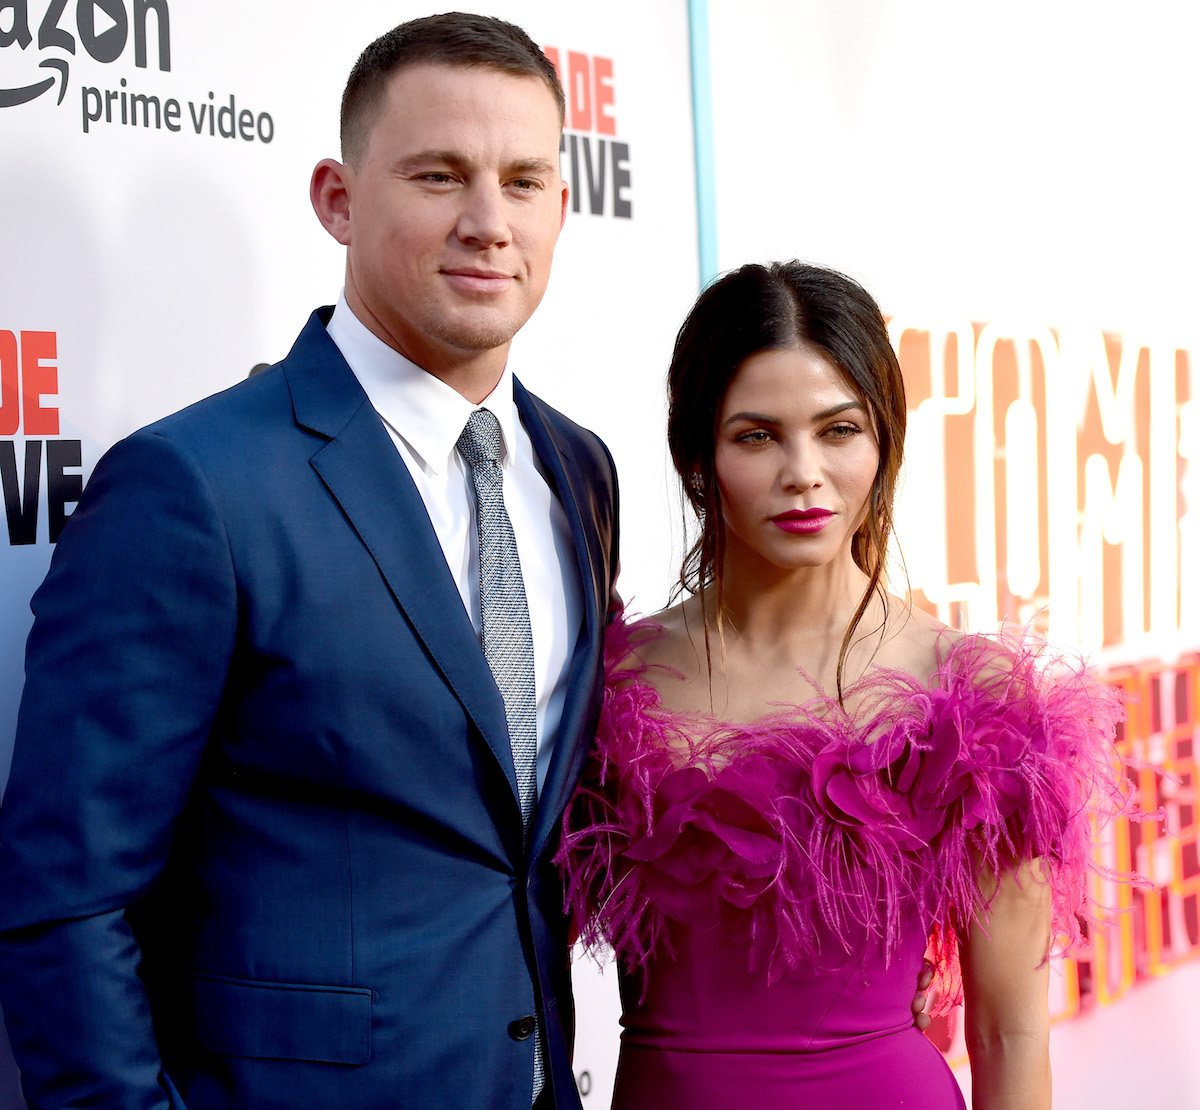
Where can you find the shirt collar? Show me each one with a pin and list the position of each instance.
(421, 409)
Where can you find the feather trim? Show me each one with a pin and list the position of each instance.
(826, 833)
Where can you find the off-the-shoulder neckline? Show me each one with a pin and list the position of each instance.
(953, 645)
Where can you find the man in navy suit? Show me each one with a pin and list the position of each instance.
(263, 843)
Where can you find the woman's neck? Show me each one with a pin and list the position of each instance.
(769, 607)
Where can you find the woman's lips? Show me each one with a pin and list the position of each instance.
(803, 522)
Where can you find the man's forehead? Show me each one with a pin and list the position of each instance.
(466, 112)
(432, 80)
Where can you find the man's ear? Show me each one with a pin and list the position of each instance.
(329, 192)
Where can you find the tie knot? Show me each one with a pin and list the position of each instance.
(480, 439)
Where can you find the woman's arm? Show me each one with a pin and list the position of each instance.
(1006, 987)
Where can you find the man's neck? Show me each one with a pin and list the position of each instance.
(473, 374)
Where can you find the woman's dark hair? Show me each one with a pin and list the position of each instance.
(762, 308)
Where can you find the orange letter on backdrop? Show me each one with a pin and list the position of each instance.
(606, 122)
(38, 380)
(579, 85)
(10, 412)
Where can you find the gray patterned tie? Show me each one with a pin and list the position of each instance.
(507, 638)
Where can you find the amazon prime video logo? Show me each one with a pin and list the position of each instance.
(102, 28)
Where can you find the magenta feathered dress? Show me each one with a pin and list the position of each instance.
(770, 889)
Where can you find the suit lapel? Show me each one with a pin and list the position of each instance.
(364, 473)
(571, 747)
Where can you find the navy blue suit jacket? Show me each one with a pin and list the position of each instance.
(261, 845)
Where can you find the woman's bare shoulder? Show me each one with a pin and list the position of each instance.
(666, 639)
(921, 645)
(915, 641)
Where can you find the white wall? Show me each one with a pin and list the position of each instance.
(1028, 159)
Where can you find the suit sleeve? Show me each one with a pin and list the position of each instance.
(125, 668)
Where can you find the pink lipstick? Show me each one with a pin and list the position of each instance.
(803, 523)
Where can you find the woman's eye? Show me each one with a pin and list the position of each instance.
(844, 431)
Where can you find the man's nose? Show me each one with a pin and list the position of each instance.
(483, 219)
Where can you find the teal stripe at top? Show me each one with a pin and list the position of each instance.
(702, 134)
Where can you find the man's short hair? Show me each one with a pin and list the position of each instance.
(450, 39)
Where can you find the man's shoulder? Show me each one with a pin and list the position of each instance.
(263, 393)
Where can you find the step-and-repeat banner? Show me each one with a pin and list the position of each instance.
(158, 243)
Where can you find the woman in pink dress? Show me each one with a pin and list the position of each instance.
(799, 782)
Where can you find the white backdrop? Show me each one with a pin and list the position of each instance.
(169, 261)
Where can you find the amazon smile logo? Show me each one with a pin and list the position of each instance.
(102, 30)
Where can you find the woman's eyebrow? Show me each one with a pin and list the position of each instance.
(765, 418)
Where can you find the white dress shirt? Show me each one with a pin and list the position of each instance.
(425, 417)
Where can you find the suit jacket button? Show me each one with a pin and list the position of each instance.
(522, 1029)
